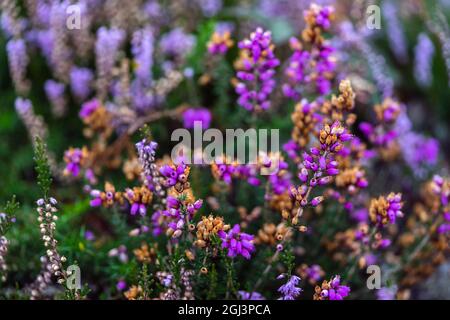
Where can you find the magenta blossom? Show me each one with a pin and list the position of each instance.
(237, 242)
(190, 116)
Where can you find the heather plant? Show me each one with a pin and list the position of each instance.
(109, 211)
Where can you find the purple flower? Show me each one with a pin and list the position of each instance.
(423, 60)
(81, 82)
(256, 71)
(88, 108)
(121, 285)
(244, 295)
(174, 174)
(386, 293)
(177, 43)
(142, 49)
(18, 62)
(55, 94)
(191, 115)
(237, 242)
(289, 290)
(89, 235)
(331, 290)
(74, 158)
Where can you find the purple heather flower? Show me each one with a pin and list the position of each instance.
(423, 60)
(74, 158)
(314, 272)
(81, 82)
(244, 295)
(89, 235)
(237, 242)
(18, 61)
(191, 115)
(88, 108)
(387, 293)
(55, 94)
(289, 290)
(142, 49)
(121, 285)
(210, 7)
(173, 175)
(257, 70)
(336, 291)
(395, 34)
(177, 43)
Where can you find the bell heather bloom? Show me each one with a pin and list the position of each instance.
(320, 165)
(386, 210)
(179, 212)
(105, 198)
(395, 34)
(81, 82)
(256, 69)
(289, 290)
(139, 198)
(191, 115)
(219, 43)
(175, 176)
(75, 159)
(331, 290)
(315, 65)
(237, 242)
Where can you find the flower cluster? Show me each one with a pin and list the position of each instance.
(290, 289)
(207, 228)
(237, 242)
(319, 165)
(384, 210)
(220, 43)
(314, 66)
(256, 69)
(75, 159)
(331, 290)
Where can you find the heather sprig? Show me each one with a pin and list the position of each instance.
(256, 70)
(44, 178)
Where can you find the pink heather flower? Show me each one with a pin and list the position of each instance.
(257, 70)
(192, 115)
(237, 242)
(289, 290)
